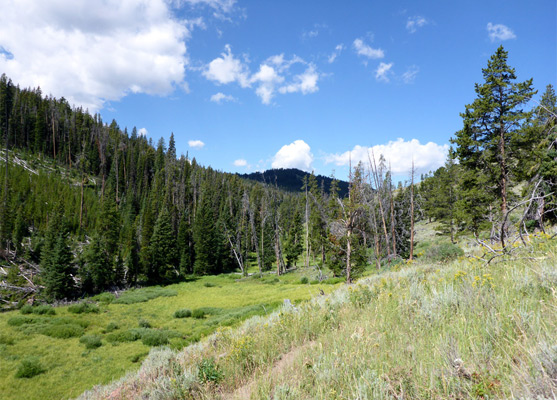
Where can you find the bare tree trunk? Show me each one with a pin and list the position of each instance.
(379, 185)
(81, 203)
(503, 165)
(307, 226)
(393, 234)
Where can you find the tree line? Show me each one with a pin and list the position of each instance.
(89, 206)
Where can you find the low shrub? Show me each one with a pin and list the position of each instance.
(143, 323)
(26, 309)
(64, 331)
(443, 252)
(138, 357)
(209, 371)
(304, 280)
(83, 308)
(130, 335)
(91, 341)
(111, 327)
(44, 309)
(155, 338)
(198, 313)
(183, 313)
(209, 284)
(104, 298)
(20, 320)
(133, 296)
(29, 368)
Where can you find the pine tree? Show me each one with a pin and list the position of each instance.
(488, 142)
(164, 252)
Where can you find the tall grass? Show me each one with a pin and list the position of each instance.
(458, 330)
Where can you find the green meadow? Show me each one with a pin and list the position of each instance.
(45, 355)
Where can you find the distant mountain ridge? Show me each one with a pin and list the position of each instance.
(292, 179)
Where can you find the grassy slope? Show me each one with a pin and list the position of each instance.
(71, 368)
(462, 330)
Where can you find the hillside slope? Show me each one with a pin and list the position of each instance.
(463, 330)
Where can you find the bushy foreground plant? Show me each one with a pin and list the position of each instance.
(29, 368)
(183, 313)
(91, 341)
(84, 308)
(443, 252)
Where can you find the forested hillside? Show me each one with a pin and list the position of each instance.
(86, 206)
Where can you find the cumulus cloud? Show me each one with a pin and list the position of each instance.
(93, 54)
(336, 53)
(499, 32)
(143, 132)
(294, 155)
(410, 75)
(227, 69)
(196, 144)
(367, 51)
(415, 22)
(221, 97)
(304, 83)
(382, 72)
(240, 163)
(399, 153)
(274, 74)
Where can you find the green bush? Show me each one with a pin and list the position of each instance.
(91, 341)
(133, 296)
(19, 320)
(111, 327)
(83, 308)
(29, 368)
(104, 298)
(155, 338)
(208, 371)
(183, 313)
(64, 331)
(7, 340)
(138, 357)
(209, 284)
(198, 313)
(44, 309)
(443, 252)
(26, 309)
(131, 335)
(304, 280)
(143, 323)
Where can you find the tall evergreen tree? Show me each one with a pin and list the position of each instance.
(492, 125)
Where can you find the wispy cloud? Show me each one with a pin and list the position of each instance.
(221, 97)
(382, 72)
(362, 49)
(410, 75)
(338, 49)
(499, 32)
(415, 22)
(240, 163)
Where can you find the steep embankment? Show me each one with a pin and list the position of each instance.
(463, 330)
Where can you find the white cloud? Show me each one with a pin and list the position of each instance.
(221, 97)
(219, 5)
(410, 75)
(294, 155)
(143, 132)
(499, 32)
(94, 54)
(367, 51)
(227, 69)
(399, 153)
(415, 22)
(382, 72)
(196, 144)
(240, 163)
(272, 74)
(304, 83)
(336, 53)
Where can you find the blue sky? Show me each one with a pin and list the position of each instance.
(248, 85)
